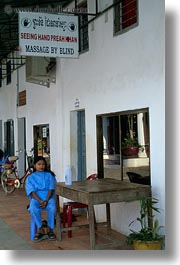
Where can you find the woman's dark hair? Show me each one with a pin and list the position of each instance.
(39, 158)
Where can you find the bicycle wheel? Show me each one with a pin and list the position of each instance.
(7, 181)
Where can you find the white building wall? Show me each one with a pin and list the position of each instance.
(117, 73)
(120, 73)
(40, 107)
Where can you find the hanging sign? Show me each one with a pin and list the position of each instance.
(43, 34)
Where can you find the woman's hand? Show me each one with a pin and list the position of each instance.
(43, 204)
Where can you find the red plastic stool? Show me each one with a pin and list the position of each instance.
(67, 213)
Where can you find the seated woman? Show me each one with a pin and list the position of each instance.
(40, 187)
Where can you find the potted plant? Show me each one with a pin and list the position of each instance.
(130, 145)
(148, 237)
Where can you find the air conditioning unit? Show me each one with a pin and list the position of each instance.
(40, 70)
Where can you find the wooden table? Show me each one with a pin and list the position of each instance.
(100, 191)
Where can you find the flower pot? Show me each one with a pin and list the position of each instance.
(131, 151)
(147, 245)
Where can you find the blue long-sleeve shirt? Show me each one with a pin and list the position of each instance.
(40, 182)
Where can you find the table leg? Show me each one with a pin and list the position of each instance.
(69, 213)
(108, 215)
(91, 226)
(58, 219)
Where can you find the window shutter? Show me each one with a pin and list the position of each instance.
(129, 13)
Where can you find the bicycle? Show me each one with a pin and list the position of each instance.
(10, 179)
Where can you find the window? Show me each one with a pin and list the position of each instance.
(123, 144)
(83, 29)
(125, 15)
(8, 72)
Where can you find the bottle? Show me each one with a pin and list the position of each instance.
(68, 176)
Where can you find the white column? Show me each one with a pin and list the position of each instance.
(140, 128)
(105, 123)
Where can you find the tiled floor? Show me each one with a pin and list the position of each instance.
(14, 214)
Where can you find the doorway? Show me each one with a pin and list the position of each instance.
(78, 144)
(1, 139)
(81, 145)
(41, 136)
(9, 137)
(21, 145)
